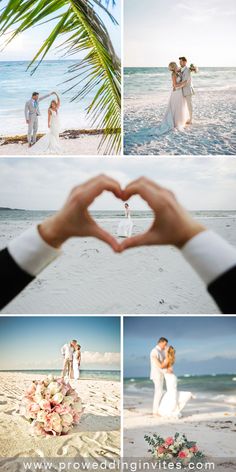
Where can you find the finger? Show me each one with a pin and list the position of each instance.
(143, 187)
(103, 235)
(144, 239)
(103, 182)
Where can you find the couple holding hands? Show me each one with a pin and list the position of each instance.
(211, 257)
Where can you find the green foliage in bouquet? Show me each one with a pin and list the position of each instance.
(177, 449)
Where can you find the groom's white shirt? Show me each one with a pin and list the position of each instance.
(208, 253)
(67, 352)
(156, 354)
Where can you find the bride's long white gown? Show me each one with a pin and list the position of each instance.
(177, 113)
(173, 402)
(75, 366)
(125, 226)
(50, 143)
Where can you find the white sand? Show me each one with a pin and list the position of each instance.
(90, 279)
(85, 145)
(98, 433)
(212, 424)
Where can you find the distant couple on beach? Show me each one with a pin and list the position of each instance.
(125, 226)
(179, 111)
(71, 353)
(171, 403)
(50, 143)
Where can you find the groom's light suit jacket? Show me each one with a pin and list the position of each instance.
(32, 111)
(186, 75)
(156, 373)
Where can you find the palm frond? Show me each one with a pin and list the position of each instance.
(79, 28)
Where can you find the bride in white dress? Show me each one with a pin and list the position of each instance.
(173, 401)
(76, 362)
(177, 113)
(50, 143)
(125, 226)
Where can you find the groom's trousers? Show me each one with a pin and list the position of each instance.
(158, 384)
(190, 105)
(32, 129)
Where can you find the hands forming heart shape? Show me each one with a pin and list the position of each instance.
(171, 224)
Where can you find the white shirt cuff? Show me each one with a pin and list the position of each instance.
(210, 255)
(31, 253)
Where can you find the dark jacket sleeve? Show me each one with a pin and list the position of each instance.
(12, 278)
(223, 290)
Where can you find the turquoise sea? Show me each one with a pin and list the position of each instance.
(213, 387)
(146, 95)
(17, 85)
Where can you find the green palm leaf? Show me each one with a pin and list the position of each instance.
(79, 28)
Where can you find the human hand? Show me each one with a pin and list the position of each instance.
(74, 218)
(172, 224)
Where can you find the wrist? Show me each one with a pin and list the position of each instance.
(188, 233)
(52, 231)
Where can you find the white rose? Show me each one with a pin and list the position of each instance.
(53, 388)
(56, 423)
(41, 416)
(57, 398)
(66, 419)
(38, 397)
(78, 406)
(68, 400)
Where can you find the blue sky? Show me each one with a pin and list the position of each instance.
(159, 31)
(204, 345)
(35, 342)
(37, 184)
(27, 44)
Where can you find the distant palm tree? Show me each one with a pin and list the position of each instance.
(80, 28)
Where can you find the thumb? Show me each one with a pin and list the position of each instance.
(103, 235)
(144, 239)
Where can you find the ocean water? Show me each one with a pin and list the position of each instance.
(7, 214)
(113, 375)
(146, 94)
(17, 85)
(211, 387)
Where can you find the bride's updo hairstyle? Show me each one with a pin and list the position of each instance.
(172, 66)
(171, 355)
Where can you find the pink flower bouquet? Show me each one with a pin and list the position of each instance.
(177, 449)
(52, 406)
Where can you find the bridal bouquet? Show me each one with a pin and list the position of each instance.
(175, 449)
(52, 406)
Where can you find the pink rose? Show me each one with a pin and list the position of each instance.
(193, 449)
(45, 405)
(34, 407)
(160, 450)
(182, 455)
(31, 389)
(169, 441)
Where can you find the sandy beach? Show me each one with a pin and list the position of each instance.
(73, 144)
(211, 423)
(88, 278)
(97, 435)
(147, 92)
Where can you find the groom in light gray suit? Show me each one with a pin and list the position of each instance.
(188, 90)
(157, 356)
(32, 113)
